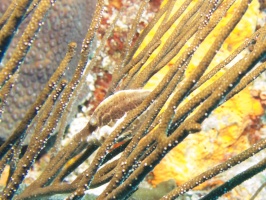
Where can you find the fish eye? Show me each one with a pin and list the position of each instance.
(93, 121)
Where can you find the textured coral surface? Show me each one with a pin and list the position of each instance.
(67, 21)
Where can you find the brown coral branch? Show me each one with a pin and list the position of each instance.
(148, 124)
(33, 110)
(26, 39)
(236, 180)
(7, 14)
(12, 19)
(216, 170)
(37, 142)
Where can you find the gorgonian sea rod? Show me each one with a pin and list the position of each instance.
(135, 127)
(65, 23)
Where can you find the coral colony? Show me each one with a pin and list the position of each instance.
(179, 109)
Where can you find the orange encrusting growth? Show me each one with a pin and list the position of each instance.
(200, 151)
